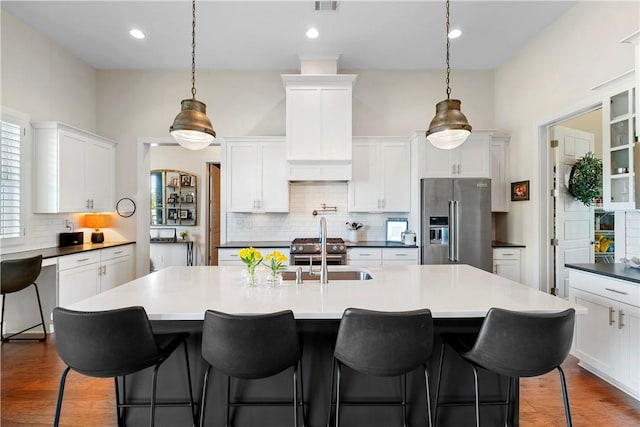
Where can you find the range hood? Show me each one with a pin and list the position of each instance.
(319, 112)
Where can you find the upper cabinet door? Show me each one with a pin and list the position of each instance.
(100, 176)
(618, 145)
(304, 124)
(74, 170)
(256, 175)
(381, 176)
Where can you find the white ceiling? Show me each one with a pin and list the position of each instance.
(271, 34)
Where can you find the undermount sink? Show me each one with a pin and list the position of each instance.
(333, 275)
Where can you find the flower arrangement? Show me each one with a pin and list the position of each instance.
(252, 258)
(275, 261)
(183, 234)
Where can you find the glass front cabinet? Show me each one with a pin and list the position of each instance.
(173, 197)
(619, 138)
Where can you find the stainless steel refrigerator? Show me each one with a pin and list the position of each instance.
(456, 221)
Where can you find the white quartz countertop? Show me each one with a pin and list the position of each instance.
(449, 291)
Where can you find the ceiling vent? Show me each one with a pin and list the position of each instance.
(325, 6)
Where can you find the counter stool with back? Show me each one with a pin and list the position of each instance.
(383, 344)
(16, 275)
(251, 347)
(515, 345)
(116, 343)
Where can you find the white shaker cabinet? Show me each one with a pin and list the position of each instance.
(506, 263)
(381, 175)
(470, 160)
(256, 175)
(74, 170)
(363, 256)
(607, 338)
(86, 274)
(500, 187)
(318, 126)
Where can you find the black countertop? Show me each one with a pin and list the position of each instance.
(62, 251)
(616, 270)
(499, 244)
(287, 244)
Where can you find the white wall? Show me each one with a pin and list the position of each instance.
(548, 78)
(45, 82)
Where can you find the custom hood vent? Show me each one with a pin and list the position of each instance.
(319, 114)
(325, 5)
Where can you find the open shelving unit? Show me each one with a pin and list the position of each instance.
(173, 198)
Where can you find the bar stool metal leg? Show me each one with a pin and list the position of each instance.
(565, 397)
(333, 373)
(440, 364)
(154, 381)
(428, 394)
(203, 402)
(338, 393)
(191, 405)
(63, 378)
(295, 396)
(477, 393)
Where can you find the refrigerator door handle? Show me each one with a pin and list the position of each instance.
(452, 231)
(456, 227)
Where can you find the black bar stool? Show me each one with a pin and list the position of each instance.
(515, 345)
(16, 275)
(251, 347)
(116, 343)
(382, 344)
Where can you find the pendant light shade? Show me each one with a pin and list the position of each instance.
(192, 128)
(449, 128)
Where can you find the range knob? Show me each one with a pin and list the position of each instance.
(300, 248)
(341, 248)
(293, 248)
(334, 248)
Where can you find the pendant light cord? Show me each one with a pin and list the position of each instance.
(193, 50)
(448, 45)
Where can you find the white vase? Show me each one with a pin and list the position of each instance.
(353, 235)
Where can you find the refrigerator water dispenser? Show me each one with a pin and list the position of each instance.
(439, 230)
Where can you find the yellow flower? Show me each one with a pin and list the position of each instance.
(250, 256)
(275, 261)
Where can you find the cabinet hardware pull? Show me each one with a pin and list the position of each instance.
(400, 254)
(453, 169)
(82, 260)
(117, 252)
(458, 169)
(611, 311)
(365, 254)
(616, 291)
(104, 269)
(620, 319)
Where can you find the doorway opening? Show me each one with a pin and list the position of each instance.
(213, 213)
(567, 226)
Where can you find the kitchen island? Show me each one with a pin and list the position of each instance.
(458, 296)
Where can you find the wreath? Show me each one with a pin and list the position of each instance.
(585, 180)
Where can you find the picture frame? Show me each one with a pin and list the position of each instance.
(192, 181)
(188, 198)
(172, 214)
(175, 182)
(519, 191)
(185, 180)
(184, 214)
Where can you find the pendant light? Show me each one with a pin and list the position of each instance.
(192, 128)
(449, 128)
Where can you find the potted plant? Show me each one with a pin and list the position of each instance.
(252, 258)
(275, 261)
(585, 180)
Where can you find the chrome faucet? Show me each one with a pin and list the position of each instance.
(324, 272)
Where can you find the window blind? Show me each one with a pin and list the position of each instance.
(10, 185)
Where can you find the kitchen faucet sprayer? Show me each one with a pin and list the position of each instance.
(324, 272)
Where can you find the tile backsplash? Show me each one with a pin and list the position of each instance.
(304, 198)
(632, 221)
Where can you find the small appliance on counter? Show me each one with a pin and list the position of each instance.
(408, 238)
(71, 239)
(395, 228)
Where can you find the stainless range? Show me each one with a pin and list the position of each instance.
(307, 251)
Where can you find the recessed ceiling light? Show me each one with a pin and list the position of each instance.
(136, 34)
(455, 33)
(312, 33)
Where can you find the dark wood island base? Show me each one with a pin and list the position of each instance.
(317, 338)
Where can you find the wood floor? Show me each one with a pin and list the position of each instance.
(31, 371)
